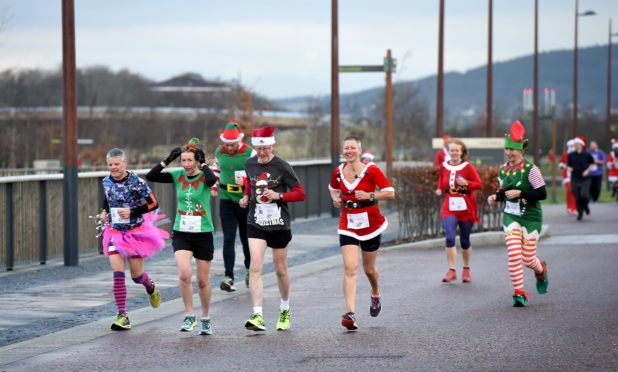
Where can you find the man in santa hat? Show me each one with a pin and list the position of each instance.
(579, 164)
(270, 185)
(231, 157)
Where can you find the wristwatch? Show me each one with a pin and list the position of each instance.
(372, 196)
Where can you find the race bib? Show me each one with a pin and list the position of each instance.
(457, 203)
(267, 212)
(190, 223)
(358, 221)
(116, 217)
(512, 208)
(239, 177)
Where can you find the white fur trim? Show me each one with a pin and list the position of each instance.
(454, 167)
(226, 140)
(262, 141)
(377, 232)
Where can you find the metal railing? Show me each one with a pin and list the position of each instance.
(31, 226)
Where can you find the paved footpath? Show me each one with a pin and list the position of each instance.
(424, 324)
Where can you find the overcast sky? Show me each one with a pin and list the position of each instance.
(281, 48)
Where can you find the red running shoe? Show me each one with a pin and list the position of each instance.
(465, 275)
(450, 276)
(349, 321)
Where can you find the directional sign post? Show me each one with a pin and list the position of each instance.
(389, 66)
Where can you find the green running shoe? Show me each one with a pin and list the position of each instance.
(155, 297)
(205, 326)
(255, 323)
(542, 279)
(121, 323)
(520, 298)
(188, 324)
(284, 320)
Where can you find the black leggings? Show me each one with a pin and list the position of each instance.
(581, 192)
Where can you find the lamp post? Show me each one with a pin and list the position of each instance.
(577, 15)
(69, 156)
(608, 119)
(334, 90)
(490, 73)
(440, 100)
(535, 93)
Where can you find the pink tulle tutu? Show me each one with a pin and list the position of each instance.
(143, 241)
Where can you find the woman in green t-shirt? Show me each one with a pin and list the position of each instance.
(192, 233)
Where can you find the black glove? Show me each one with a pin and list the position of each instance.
(172, 156)
(200, 157)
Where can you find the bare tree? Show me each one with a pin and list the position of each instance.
(410, 122)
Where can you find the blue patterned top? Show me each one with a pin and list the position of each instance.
(130, 192)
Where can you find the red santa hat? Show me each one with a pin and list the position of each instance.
(231, 133)
(263, 136)
(581, 140)
(368, 155)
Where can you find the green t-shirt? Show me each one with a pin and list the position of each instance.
(527, 213)
(193, 214)
(229, 165)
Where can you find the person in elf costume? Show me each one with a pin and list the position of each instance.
(193, 228)
(571, 206)
(231, 157)
(521, 188)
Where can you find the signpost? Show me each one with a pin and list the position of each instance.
(389, 66)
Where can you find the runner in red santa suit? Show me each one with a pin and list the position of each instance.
(458, 181)
(353, 188)
(270, 185)
(566, 178)
(612, 165)
(442, 155)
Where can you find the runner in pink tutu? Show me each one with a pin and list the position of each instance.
(129, 210)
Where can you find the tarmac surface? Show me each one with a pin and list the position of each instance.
(58, 318)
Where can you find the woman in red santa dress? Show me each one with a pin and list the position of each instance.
(458, 182)
(612, 165)
(353, 188)
(566, 178)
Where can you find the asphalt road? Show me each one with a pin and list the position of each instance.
(424, 325)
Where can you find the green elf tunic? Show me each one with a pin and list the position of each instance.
(229, 167)
(526, 213)
(193, 214)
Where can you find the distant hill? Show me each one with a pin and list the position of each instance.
(465, 92)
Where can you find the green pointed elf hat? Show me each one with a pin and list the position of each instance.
(231, 133)
(515, 139)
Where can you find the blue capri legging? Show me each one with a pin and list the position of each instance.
(450, 231)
